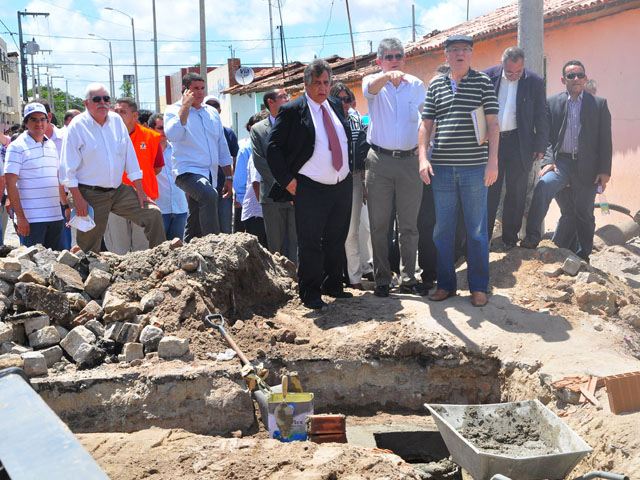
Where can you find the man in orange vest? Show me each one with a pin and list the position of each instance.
(123, 236)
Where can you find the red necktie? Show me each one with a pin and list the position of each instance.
(334, 143)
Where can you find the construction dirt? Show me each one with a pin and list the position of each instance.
(375, 359)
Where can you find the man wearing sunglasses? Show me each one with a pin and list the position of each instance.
(96, 151)
(579, 154)
(395, 101)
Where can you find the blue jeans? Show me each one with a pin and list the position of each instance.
(582, 195)
(203, 205)
(46, 234)
(225, 205)
(174, 224)
(468, 183)
(65, 237)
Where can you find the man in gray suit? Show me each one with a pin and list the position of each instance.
(279, 216)
(579, 154)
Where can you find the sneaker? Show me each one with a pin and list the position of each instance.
(381, 291)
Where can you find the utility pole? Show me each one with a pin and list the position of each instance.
(203, 46)
(531, 33)
(155, 55)
(413, 21)
(273, 51)
(467, 10)
(66, 97)
(23, 59)
(353, 48)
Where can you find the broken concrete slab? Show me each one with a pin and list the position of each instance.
(571, 266)
(95, 327)
(8, 360)
(94, 308)
(173, 347)
(78, 300)
(65, 278)
(6, 332)
(44, 338)
(68, 258)
(45, 299)
(35, 322)
(32, 276)
(595, 298)
(128, 333)
(6, 288)
(132, 351)
(52, 355)
(75, 339)
(34, 364)
(151, 300)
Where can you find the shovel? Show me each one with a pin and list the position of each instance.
(284, 412)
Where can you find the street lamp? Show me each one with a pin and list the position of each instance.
(112, 83)
(135, 59)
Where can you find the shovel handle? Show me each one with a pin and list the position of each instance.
(217, 321)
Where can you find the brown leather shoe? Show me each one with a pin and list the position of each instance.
(478, 299)
(441, 294)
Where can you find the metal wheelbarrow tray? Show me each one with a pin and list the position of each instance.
(491, 439)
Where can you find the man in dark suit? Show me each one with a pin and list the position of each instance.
(279, 217)
(308, 154)
(524, 135)
(579, 154)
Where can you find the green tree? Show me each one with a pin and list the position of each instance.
(58, 102)
(127, 89)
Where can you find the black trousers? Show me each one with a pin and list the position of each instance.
(323, 213)
(255, 226)
(513, 171)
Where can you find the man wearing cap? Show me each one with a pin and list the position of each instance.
(96, 151)
(225, 205)
(459, 167)
(395, 100)
(199, 147)
(524, 134)
(31, 173)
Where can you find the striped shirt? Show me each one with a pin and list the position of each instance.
(355, 123)
(455, 142)
(36, 166)
(570, 140)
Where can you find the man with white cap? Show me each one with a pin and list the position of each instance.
(31, 173)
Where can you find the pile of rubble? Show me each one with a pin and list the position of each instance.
(63, 308)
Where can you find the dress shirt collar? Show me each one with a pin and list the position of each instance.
(504, 78)
(579, 97)
(314, 105)
(32, 141)
(272, 119)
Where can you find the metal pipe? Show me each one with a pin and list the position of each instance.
(600, 474)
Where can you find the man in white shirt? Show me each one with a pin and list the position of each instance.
(395, 102)
(31, 174)
(96, 150)
(308, 154)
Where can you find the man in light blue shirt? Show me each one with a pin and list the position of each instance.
(171, 201)
(199, 147)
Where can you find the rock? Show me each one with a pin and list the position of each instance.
(571, 266)
(175, 243)
(32, 276)
(6, 332)
(62, 331)
(45, 259)
(286, 336)
(98, 264)
(594, 298)
(97, 282)
(597, 326)
(544, 254)
(117, 309)
(6, 288)
(48, 300)
(12, 347)
(5, 300)
(173, 347)
(34, 364)
(631, 315)
(68, 258)
(189, 261)
(75, 339)
(35, 323)
(94, 308)
(10, 360)
(43, 338)
(77, 300)
(587, 277)
(112, 330)
(128, 333)
(151, 300)
(552, 270)
(95, 327)
(555, 296)
(176, 281)
(27, 253)
(52, 355)
(111, 347)
(10, 265)
(88, 356)
(132, 351)
(150, 338)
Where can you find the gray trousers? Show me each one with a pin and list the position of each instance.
(280, 225)
(388, 179)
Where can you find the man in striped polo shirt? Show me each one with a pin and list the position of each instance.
(459, 166)
(31, 173)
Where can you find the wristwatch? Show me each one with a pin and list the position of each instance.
(66, 207)
(229, 177)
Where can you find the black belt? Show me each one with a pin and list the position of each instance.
(93, 187)
(572, 156)
(393, 153)
(508, 133)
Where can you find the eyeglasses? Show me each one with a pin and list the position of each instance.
(459, 50)
(571, 76)
(159, 127)
(513, 74)
(97, 98)
(283, 96)
(345, 99)
(397, 56)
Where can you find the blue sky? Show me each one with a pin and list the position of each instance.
(311, 28)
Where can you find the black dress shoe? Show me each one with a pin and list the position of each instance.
(529, 242)
(315, 304)
(414, 289)
(428, 284)
(369, 276)
(381, 291)
(337, 294)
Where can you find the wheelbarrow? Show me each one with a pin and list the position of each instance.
(557, 452)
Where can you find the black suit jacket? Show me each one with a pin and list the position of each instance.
(594, 138)
(531, 114)
(292, 140)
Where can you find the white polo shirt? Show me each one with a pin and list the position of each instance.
(36, 165)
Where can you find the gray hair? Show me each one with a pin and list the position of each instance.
(389, 45)
(315, 69)
(513, 54)
(93, 87)
(591, 86)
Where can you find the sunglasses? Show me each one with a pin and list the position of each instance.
(159, 127)
(214, 105)
(97, 98)
(571, 76)
(346, 99)
(397, 56)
